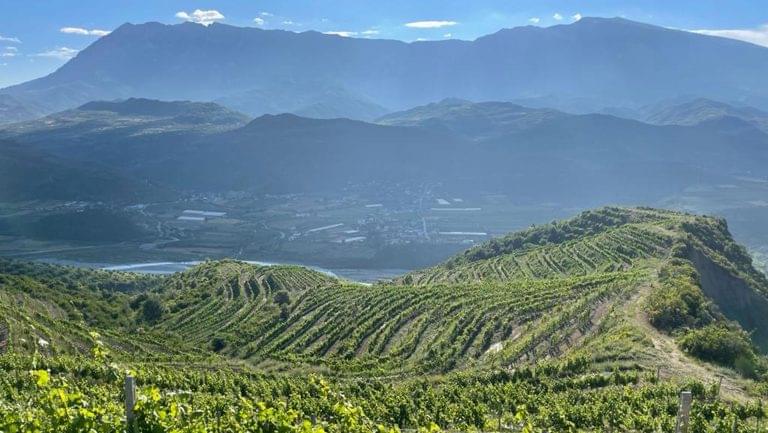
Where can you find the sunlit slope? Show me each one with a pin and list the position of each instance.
(230, 302)
(55, 310)
(616, 240)
(604, 240)
(542, 293)
(633, 287)
(439, 327)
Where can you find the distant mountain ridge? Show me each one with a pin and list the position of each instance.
(132, 130)
(27, 174)
(477, 120)
(13, 110)
(706, 110)
(596, 61)
(314, 99)
(498, 146)
(200, 111)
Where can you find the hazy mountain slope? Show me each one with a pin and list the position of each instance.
(13, 110)
(606, 62)
(286, 153)
(314, 99)
(474, 120)
(125, 133)
(598, 158)
(27, 174)
(532, 153)
(706, 110)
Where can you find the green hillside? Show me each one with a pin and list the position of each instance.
(590, 324)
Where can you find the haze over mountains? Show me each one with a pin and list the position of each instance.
(705, 110)
(585, 66)
(532, 153)
(565, 117)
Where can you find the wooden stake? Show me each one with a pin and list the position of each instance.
(684, 412)
(130, 399)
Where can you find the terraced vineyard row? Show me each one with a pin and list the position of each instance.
(611, 250)
(221, 297)
(439, 327)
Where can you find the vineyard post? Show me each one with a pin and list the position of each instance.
(719, 386)
(683, 413)
(130, 399)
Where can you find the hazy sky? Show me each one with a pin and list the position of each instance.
(37, 36)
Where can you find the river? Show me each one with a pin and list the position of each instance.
(359, 275)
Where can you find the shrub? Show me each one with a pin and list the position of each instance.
(720, 344)
(218, 343)
(679, 302)
(152, 310)
(282, 297)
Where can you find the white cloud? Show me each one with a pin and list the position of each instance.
(534, 20)
(758, 36)
(557, 17)
(447, 35)
(343, 34)
(289, 23)
(259, 21)
(266, 14)
(576, 17)
(9, 39)
(370, 32)
(84, 32)
(9, 52)
(205, 18)
(61, 53)
(435, 24)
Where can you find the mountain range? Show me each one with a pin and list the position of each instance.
(532, 153)
(588, 65)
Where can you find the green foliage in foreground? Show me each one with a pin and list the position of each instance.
(80, 394)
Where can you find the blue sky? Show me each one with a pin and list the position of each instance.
(37, 36)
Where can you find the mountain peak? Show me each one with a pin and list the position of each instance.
(611, 61)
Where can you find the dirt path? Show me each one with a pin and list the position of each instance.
(673, 363)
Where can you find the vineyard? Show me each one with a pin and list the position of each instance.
(592, 324)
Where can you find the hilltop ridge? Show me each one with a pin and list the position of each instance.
(548, 291)
(616, 308)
